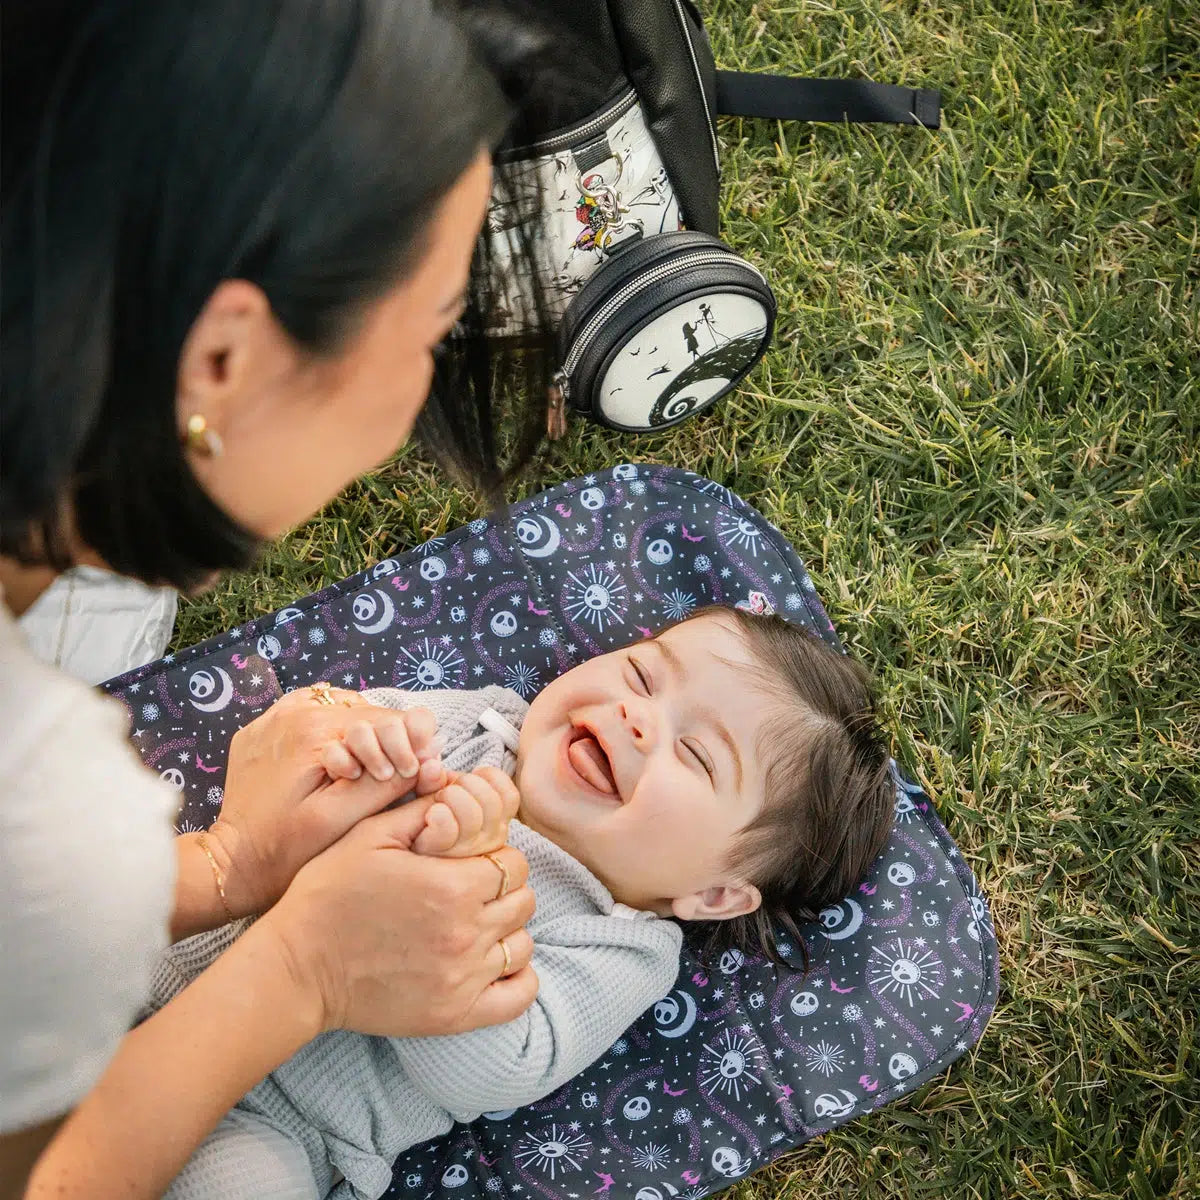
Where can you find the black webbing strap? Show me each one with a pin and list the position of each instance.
(786, 98)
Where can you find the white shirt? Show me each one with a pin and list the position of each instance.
(87, 875)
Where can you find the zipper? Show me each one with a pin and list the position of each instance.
(576, 134)
(582, 341)
(709, 123)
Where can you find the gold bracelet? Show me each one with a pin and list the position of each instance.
(203, 842)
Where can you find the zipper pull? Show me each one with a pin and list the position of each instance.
(556, 406)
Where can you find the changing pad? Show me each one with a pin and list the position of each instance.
(740, 1062)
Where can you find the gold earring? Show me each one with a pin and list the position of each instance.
(204, 441)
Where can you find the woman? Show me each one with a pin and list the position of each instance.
(233, 237)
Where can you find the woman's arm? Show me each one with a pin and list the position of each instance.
(369, 937)
(197, 898)
(177, 1074)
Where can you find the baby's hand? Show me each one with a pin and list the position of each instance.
(408, 746)
(470, 815)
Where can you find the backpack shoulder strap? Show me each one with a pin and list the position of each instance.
(787, 98)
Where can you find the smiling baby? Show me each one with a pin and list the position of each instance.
(728, 772)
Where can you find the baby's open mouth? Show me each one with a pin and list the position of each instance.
(589, 761)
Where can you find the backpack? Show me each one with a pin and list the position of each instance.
(612, 191)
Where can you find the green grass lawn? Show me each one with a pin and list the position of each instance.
(979, 426)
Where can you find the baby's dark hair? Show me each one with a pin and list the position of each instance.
(830, 795)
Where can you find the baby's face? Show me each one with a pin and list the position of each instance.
(644, 764)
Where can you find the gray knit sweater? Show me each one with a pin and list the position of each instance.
(355, 1102)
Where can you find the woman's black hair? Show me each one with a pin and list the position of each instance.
(152, 151)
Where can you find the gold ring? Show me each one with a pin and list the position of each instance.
(503, 874)
(507, 958)
(320, 692)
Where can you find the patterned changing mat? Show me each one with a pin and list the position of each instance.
(739, 1063)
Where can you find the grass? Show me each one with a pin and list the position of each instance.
(979, 424)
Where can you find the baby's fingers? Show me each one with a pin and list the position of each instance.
(440, 832)
(423, 734)
(431, 778)
(505, 789)
(338, 762)
(492, 829)
(467, 811)
(362, 739)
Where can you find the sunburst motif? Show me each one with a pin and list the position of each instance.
(554, 1151)
(596, 596)
(717, 490)
(678, 604)
(908, 970)
(431, 665)
(730, 1064)
(737, 531)
(651, 1157)
(825, 1057)
(522, 679)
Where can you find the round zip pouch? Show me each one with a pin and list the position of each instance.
(662, 331)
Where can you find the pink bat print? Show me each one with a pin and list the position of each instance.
(487, 1162)
(867, 889)
(681, 1092)
(238, 661)
(968, 1012)
(833, 987)
(687, 537)
(606, 1183)
(398, 585)
(562, 510)
(206, 770)
(785, 1094)
(644, 632)
(691, 1178)
(700, 979)
(871, 1085)
(537, 612)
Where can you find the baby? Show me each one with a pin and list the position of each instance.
(727, 772)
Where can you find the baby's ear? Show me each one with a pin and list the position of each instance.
(718, 903)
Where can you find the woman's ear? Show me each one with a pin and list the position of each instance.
(718, 903)
(234, 343)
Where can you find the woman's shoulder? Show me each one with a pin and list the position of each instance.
(35, 698)
(86, 881)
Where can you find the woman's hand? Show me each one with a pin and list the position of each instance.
(281, 808)
(369, 936)
(384, 941)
